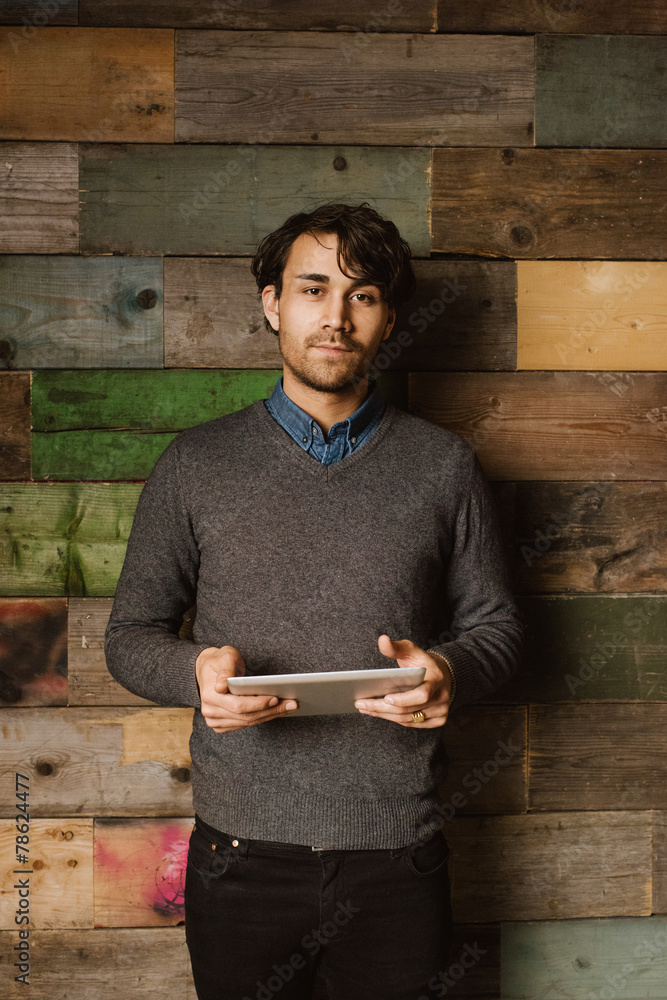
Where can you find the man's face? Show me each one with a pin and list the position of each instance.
(330, 325)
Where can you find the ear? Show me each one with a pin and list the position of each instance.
(391, 319)
(271, 305)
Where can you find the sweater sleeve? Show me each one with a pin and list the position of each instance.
(158, 582)
(486, 629)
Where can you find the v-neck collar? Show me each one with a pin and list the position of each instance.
(259, 413)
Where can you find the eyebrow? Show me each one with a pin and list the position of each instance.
(323, 279)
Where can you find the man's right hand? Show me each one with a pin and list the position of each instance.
(223, 711)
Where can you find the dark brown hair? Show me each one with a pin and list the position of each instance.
(369, 247)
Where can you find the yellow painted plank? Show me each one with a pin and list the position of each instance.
(89, 84)
(592, 315)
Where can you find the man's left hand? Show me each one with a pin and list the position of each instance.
(432, 697)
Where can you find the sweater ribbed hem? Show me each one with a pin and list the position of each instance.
(288, 817)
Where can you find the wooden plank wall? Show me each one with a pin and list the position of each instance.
(521, 147)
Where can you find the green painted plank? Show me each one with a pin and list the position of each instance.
(80, 312)
(601, 90)
(60, 540)
(622, 958)
(217, 199)
(115, 424)
(592, 648)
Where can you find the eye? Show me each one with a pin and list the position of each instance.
(312, 291)
(364, 297)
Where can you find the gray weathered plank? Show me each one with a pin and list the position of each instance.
(364, 17)
(585, 537)
(660, 862)
(601, 90)
(624, 958)
(552, 425)
(99, 761)
(554, 865)
(572, 16)
(540, 203)
(14, 425)
(213, 199)
(39, 201)
(592, 648)
(111, 963)
(586, 757)
(463, 316)
(80, 312)
(422, 90)
(30, 15)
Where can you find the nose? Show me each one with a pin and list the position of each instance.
(335, 314)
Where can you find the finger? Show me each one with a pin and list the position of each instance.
(217, 713)
(432, 722)
(415, 696)
(251, 704)
(387, 704)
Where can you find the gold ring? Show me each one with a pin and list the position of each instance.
(418, 717)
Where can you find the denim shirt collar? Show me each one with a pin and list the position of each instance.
(301, 425)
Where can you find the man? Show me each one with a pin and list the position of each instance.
(320, 529)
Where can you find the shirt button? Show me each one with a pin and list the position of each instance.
(353, 440)
(304, 439)
(316, 430)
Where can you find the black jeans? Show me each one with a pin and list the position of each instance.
(261, 918)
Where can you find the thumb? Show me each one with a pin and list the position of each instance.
(404, 651)
(228, 664)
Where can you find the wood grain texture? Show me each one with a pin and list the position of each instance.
(601, 315)
(14, 426)
(80, 312)
(99, 761)
(551, 425)
(571, 16)
(90, 84)
(140, 871)
(60, 865)
(660, 862)
(216, 199)
(557, 865)
(64, 540)
(537, 203)
(422, 90)
(601, 90)
(31, 15)
(462, 316)
(33, 652)
(487, 752)
(578, 959)
(585, 537)
(592, 648)
(119, 963)
(366, 16)
(39, 201)
(90, 682)
(598, 756)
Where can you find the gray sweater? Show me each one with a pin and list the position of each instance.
(301, 566)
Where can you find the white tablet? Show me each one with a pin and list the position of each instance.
(330, 693)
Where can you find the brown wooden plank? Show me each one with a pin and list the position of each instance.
(574, 16)
(39, 200)
(284, 87)
(80, 312)
(59, 869)
(551, 425)
(601, 315)
(536, 203)
(556, 865)
(90, 682)
(659, 862)
(119, 963)
(587, 537)
(365, 17)
(90, 84)
(601, 90)
(140, 871)
(33, 651)
(463, 316)
(487, 754)
(14, 425)
(30, 15)
(99, 762)
(598, 756)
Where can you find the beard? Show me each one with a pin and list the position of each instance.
(325, 374)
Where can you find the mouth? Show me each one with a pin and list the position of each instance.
(333, 351)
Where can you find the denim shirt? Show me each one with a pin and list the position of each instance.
(343, 437)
